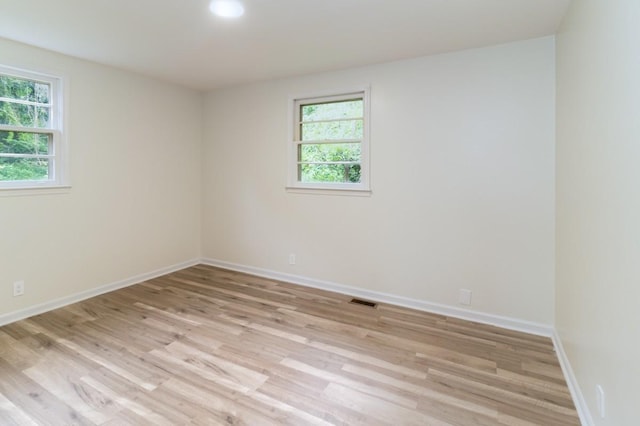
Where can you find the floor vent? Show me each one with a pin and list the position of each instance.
(363, 303)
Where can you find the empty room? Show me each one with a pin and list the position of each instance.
(343, 212)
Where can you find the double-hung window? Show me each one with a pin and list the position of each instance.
(30, 130)
(330, 147)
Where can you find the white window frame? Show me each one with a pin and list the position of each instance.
(58, 170)
(340, 188)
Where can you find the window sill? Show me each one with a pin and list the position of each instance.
(34, 190)
(329, 191)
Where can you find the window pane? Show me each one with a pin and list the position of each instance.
(332, 130)
(329, 152)
(344, 173)
(332, 110)
(23, 115)
(26, 90)
(24, 143)
(24, 169)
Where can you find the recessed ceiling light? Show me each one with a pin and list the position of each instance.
(227, 8)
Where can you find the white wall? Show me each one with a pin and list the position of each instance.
(598, 202)
(462, 179)
(134, 206)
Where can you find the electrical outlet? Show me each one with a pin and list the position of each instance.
(292, 259)
(18, 288)
(464, 297)
(600, 400)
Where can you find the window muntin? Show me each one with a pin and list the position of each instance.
(30, 130)
(331, 142)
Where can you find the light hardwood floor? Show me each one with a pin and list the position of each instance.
(207, 346)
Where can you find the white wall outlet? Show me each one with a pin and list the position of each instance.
(18, 288)
(464, 297)
(292, 259)
(600, 400)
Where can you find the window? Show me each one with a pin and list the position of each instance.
(30, 130)
(330, 147)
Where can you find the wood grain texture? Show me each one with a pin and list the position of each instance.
(207, 346)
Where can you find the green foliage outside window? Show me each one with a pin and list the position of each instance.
(31, 115)
(331, 162)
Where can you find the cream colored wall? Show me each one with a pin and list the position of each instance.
(598, 202)
(134, 205)
(462, 179)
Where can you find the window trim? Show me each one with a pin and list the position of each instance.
(328, 188)
(60, 179)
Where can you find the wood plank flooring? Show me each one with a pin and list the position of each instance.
(206, 346)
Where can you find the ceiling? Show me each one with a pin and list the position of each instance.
(182, 42)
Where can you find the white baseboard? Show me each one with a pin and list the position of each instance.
(452, 311)
(576, 393)
(68, 300)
